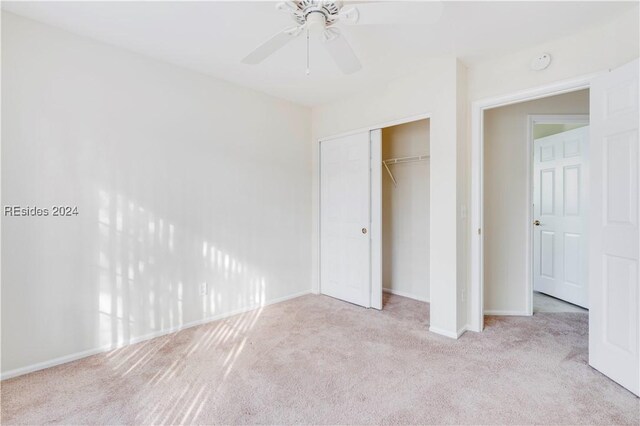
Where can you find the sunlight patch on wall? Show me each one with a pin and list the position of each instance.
(147, 273)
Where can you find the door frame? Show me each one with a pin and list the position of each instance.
(476, 299)
(375, 230)
(533, 119)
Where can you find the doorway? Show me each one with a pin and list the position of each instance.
(511, 170)
(405, 209)
(614, 230)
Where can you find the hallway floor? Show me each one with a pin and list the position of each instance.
(545, 303)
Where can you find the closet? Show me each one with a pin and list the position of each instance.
(405, 209)
(374, 214)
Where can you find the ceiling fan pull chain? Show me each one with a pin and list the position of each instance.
(308, 71)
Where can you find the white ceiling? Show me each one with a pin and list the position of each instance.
(212, 37)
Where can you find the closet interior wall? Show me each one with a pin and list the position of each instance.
(405, 211)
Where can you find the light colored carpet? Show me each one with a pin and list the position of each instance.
(318, 360)
(545, 303)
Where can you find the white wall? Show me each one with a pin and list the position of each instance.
(179, 179)
(506, 206)
(405, 212)
(543, 130)
(433, 90)
(593, 50)
(463, 195)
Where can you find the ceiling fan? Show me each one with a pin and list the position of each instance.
(321, 17)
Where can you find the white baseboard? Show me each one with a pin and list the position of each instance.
(403, 294)
(475, 330)
(83, 354)
(448, 333)
(462, 330)
(499, 312)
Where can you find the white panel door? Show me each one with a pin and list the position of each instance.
(614, 250)
(345, 261)
(560, 250)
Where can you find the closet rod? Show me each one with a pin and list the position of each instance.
(406, 159)
(401, 160)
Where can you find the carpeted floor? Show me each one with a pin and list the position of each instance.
(318, 360)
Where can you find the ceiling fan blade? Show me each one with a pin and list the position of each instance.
(272, 45)
(392, 12)
(341, 51)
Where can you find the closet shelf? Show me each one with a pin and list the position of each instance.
(401, 160)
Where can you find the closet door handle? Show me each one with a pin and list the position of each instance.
(364, 230)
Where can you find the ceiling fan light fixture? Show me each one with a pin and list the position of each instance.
(316, 22)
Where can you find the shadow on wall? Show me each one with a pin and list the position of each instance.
(137, 292)
(139, 295)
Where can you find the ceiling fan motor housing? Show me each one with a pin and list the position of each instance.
(310, 11)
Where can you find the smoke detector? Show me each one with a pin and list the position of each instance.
(540, 62)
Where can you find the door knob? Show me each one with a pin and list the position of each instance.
(536, 222)
(364, 230)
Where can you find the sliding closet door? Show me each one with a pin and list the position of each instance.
(345, 215)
